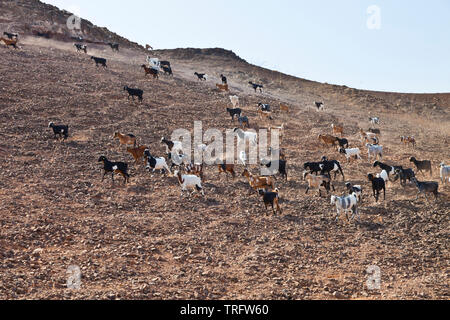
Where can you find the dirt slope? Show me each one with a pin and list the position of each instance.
(143, 241)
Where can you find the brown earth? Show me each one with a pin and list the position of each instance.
(144, 241)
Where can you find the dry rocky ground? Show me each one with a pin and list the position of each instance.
(143, 241)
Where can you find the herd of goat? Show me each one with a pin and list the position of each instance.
(318, 175)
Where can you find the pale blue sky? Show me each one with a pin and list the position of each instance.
(323, 40)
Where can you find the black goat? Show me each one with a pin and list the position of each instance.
(256, 86)
(378, 184)
(224, 79)
(326, 167)
(165, 64)
(313, 167)
(426, 187)
(343, 143)
(272, 199)
(276, 167)
(424, 165)
(62, 130)
(114, 167)
(134, 93)
(167, 70)
(403, 175)
(11, 35)
(99, 61)
(114, 46)
(201, 76)
(234, 112)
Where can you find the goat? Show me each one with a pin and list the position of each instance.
(272, 199)
(349, 153)
(114, 46)
(165, 64)
(222, 87)
(201, 76)
(258, 182)
(345, 204)
(264, 107)
(172, 146)
(338, 129)
(189, 181)
(284, 107)
(9, 43)
(378, 185)
(343, 143)
(424, 165)
(156, 163)
(367, 136)
(242, 135)
(167, 70)
(99, 61)
(354, 189)
(256, 86)
(426, 187)
(408, 140)
(326, 167)
(224, 79)
(445, 172)
(134, 93)
(137, 153)
(316, 182)
(151, 71)
(328, 139)
(62, 130)
(319, 106)
(80, 47)
(403, 175)
(265, 115)
(234, 101)
(374, 120)
(389, 169)
(227, 168)
(313, 167)
(125, 139)
(276, 167)
(114, 167)
(234, 112)
(374, 151)
(244, 121)
(11, 36)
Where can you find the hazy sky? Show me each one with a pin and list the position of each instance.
(399, 45)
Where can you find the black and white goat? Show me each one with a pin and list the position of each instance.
(80, 47)
(11, 36)
(264, 107)
(389, 169)
(114, 167)
(156, 163)
(61, 130)
(327, 167)
(320, 106)
(201, 76)
(276, 167)
(356, 189)
(224, 79)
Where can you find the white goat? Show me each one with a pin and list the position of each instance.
(242, 135)
(374, 151)
(189, 181)
(445, 173)
(234, 101)
(349, 153)
(345, 204)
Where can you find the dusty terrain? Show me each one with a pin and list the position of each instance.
(144, 241)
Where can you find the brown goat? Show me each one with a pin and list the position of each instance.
(127, 139)
(8, 42)
(153, 72)
(227, 168)
(328, 139)
(138, 153)
(409, 140)
(338, 129)
(284, 108)
(258, 182)
(222, 87)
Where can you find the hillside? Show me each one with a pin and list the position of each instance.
(143, 241)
